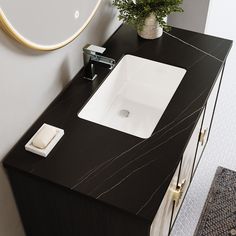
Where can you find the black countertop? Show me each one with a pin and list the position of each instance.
(113, 167)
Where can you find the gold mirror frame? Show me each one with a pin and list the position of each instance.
(7, 26)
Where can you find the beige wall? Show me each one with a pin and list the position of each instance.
(30, 80)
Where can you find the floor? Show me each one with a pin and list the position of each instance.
(220, 151)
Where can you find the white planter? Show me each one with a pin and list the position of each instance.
(151, 28)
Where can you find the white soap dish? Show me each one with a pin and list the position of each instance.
(51, 143)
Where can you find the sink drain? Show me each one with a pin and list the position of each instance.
(124, 113)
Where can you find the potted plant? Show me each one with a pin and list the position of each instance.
(147, 16)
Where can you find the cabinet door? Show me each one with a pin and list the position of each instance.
(173, 198)
(162, 221)
(207, 120)
(186, 169)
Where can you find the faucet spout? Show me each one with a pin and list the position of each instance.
(104, 60)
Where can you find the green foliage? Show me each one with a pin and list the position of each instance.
(135, 12)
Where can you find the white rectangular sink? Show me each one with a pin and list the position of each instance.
(134, 96)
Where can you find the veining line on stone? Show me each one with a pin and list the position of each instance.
(140, 156)
(122, 180)
(110, 161)
(153, 194)
(194, 63)
(185, 109)
(193, 46)
(89, 173)
(143, 166)
(85, 176)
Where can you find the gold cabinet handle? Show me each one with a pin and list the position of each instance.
(178, 192)
(202, 136)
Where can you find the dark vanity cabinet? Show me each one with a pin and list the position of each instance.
(48, 209)
(99, 181)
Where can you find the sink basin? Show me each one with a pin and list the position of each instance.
(134, 96)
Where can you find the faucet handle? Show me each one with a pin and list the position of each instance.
(93, 49)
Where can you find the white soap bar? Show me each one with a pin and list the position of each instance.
(44, 136)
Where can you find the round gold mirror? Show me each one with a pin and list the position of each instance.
(46, 24)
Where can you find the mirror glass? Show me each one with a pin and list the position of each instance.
(46, 24)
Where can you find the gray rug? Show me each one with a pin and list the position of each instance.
(218, 216)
